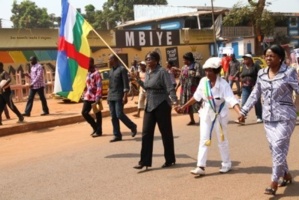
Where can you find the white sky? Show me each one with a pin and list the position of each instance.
(53, 6)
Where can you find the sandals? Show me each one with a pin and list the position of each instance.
(287, 179)
(272, 189)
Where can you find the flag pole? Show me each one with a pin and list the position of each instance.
(111, 49)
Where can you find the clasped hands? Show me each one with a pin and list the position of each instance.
(179, 109)
(241, 118)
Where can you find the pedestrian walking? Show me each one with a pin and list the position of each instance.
(142, 93)
(6, 94)
(92, 96)
(191, 74)
(249, 75)
(234, 73)
(160, 96)
(118, 97)
(217, 97)
(276, 84)
(37, 85)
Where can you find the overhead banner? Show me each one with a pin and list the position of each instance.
(45, 38)
(28, 38)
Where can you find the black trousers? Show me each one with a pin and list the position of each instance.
(41, 93)
(96, 125)
(6, 99)
(161, 116)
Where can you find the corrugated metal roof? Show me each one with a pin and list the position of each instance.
(197, 13)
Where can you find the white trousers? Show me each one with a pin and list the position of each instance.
(141, 98)
(205, 126)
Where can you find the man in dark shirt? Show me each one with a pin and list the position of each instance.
(234, 73)
(6, 95)
(117, 98)
(248, 79)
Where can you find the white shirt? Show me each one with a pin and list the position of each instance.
(221, 92)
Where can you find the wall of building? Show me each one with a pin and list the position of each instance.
(200, 52)
(241, 46)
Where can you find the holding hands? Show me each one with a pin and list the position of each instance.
(241, 119)
(179, 109)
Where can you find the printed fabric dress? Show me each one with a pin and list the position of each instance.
(189, 80)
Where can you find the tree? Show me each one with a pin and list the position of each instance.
(121, 11)
(115, 12)
(100, 19)
(28, 15)
(254, 15)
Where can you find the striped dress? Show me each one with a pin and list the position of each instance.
(279, 113)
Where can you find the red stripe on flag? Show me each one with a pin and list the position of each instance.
(71, 52)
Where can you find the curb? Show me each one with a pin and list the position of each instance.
(33, 126)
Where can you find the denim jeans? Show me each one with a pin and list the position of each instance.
(246, 91)
(116, 112)
(41, 94)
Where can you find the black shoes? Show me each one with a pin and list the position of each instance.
(134, 131)
(116, 139)
(168, 164)
(96, 135)
(140, 167)
(28, 115)
(21, 119)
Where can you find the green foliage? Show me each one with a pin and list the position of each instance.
(250, 16)
(28, 15)
(267, 23)
(114, 12)
(239, 16)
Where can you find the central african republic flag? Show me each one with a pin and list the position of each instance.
(73, 54)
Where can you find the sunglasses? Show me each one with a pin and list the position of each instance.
(149, 59)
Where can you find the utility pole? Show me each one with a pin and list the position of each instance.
(0, 22)
(214, 32)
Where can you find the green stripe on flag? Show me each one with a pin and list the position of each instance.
(73, 65)
(77, 31)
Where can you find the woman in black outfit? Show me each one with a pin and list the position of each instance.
(158, 88)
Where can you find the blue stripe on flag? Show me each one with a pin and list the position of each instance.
(65, 9)
(64, 72)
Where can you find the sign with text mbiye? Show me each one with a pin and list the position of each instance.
(146, 38)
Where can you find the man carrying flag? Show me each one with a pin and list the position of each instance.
(92, 95)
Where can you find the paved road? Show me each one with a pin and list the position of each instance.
(64, 162)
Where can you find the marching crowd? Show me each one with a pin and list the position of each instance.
(204, 89)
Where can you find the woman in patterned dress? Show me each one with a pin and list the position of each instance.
(275, 84)
(191, 74)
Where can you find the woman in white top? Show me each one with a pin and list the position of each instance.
(142, 94)
(217, 96)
